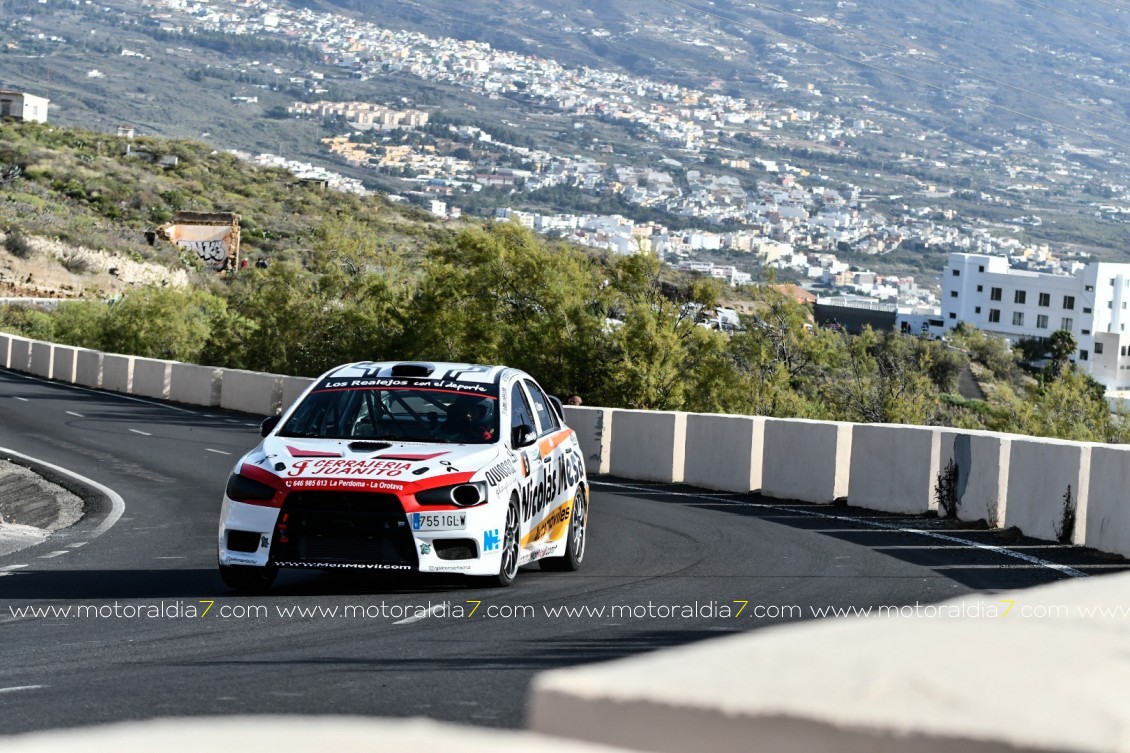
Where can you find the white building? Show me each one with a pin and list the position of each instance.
(23, 106)
(1092, 305)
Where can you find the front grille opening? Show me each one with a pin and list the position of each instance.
(455, 549)
(344, 527)
(243, 541)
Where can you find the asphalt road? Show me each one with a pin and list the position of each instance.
(653, 550)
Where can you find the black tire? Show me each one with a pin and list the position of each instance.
(576, 538)
(511, 549)
(252, 579)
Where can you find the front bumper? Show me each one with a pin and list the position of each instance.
(354, 531)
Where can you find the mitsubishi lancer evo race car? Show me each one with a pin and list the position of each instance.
(415, 467)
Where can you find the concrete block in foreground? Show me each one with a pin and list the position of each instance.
(980, 461)
(195, 385)
(117, 372)
(5, 350)
(1108, 510)
(893, 468)
(648, 445)
(724, 452)
(960, 677)
(42, 359)
(1047, 480)
(88, 368)
(20, 358)
(292, 734)
(152, 378)
(66, 363)
(806, 460)
(593, 427)
(251, 392)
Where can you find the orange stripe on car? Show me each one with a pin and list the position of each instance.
(550, 443)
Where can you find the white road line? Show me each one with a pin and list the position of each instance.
(11, 567)
(172, 558)
(1065, 569)
(142, 433)
(231, 421)
(101, 392)
(76, 415)
(77, 544)
(418, 617)
(21, 687)
(218, 452)
(21, 399)
(117, 504)
(54, 554)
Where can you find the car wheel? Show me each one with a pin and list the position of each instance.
(511, 549)
(243, 578)
(575, 538)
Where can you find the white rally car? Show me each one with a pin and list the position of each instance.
(426, 467)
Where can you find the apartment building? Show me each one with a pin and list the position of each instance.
(1092, 305)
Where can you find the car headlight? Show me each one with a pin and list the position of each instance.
(243, 489)
(464, 495)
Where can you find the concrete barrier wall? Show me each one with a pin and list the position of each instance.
(66, 362)
(724, 452)
(195, 385)
(20, 359)
(648, 445)
(151, 378)
(117, 372)
(806, 460)
(893, 468)
(88, 368)
(42, 358)
(292, 389)
(5, 350)
(1042, 474)
(1107, 526)
(980, 462)
(593, 427)
(250, 392)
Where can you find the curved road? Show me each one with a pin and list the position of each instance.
(651, 549)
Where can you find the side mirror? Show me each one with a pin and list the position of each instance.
(522, 436)
(268, 425)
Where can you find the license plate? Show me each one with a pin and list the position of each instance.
(439, 521)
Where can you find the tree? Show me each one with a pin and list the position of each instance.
(1061, 345)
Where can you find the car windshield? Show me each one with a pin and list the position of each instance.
(414, 413)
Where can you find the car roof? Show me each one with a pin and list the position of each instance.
(438, 370)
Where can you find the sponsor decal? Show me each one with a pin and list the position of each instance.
(425, 547)
(500, 472)
(264, 542)
(491, 540)
(346, 565)
(341, 467)
(553, 526)
(344, 484)
(340, 383)
(541, 489)
(450, 568)
(242, 561)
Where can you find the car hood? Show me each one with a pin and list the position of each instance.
(361, 459)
